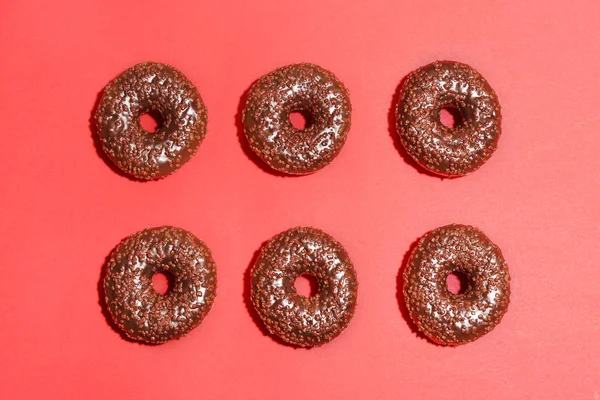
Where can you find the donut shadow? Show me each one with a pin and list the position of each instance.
(400, 295)
(104, 306)
(396, 137)
(250, 306)
(98, 145)
(239, 124)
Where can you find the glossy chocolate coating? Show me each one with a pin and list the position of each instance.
(298, 320)
(297, 87)
(442, 150)
(143, 88)
(445, 317)
(141, 312)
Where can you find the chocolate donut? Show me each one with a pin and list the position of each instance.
(298, 320)
(298, 87)
(143, 88)
(141, 312)
(445, 317)
(442, 150)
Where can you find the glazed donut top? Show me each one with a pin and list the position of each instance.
(140, 89)
(297, 87)
(141, 312)
(442, 150)
(445, 317)
(304, 321)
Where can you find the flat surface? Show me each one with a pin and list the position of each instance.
(64, 209)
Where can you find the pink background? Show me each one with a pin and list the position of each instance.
(64, 209)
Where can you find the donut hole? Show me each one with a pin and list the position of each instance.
(451, 116)
(301, 119)
(306, 285)
(151, 121)
(458, 282)
(162, 282)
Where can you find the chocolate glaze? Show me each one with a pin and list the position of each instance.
(141, 312)
(297, 87)
(448, 151)
(143, 88)
(454, 319)
(298, 320)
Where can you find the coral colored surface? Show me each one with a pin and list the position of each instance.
(64, 209)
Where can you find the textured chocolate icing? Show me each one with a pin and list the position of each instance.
(297, 87)
(141, 312)
(448, 151)
(143, 88)
(445, 317)
(298, 320)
